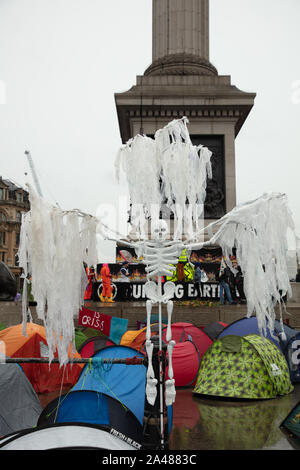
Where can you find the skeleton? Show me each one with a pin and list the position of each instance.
(159, 255)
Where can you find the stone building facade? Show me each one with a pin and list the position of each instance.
(14, 200)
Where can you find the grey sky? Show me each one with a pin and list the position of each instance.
(62, 61)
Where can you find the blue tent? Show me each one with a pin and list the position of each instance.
(290, 349)
(246, 326)
(94, 409)
(126, 384)
(106, 394)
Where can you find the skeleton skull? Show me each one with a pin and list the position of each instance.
(160, 230)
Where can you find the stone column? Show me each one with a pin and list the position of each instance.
(180, 43)
(180, 27)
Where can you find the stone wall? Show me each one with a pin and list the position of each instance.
(11, 313)
(296, 293)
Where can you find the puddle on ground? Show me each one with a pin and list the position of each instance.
(202, 423)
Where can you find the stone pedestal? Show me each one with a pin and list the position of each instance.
(181, 81)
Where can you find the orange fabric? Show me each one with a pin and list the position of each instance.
(136, 338)
(105, 273)
(42, 377)
(106, 290)
(106, 284)
(129, 336)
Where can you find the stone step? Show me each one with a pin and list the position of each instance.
(11, 313)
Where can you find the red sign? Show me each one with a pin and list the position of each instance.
(95, 320)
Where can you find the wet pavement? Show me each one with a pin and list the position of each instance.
(202, 423)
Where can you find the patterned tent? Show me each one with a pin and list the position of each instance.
(249, 367)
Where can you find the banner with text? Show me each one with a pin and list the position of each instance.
(112, 327)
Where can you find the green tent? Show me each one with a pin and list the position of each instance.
(247, 367)
(80, 338)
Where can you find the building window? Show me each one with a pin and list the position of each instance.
(19, 197)
(2, 256)
(19, 216)
(1, 194)
(17, 238)
(2, 238)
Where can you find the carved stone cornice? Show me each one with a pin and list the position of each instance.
(181, 64)
(178, 112)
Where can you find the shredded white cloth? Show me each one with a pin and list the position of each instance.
(258, 230)
(167, 168)
(53, 248)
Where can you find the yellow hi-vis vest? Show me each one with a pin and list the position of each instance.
(183, 257)
(188, 271)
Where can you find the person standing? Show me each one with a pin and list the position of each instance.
(106, 295)
(91, 279)
(239, 282)
(224, 279)
(200, 277)
(232, 286)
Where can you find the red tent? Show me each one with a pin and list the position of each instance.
(185, 363)
(92, 345)
(44, 378)
(182, 331)
(191, 344)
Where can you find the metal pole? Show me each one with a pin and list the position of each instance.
(84, 360)
(152, 437)
(34, 175)
(161, 410)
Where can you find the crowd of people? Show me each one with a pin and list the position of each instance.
(230, 284)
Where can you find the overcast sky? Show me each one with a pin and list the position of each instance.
(61, 61)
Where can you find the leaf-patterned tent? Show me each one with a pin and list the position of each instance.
(248, 367)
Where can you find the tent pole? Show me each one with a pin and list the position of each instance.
(161, 410)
